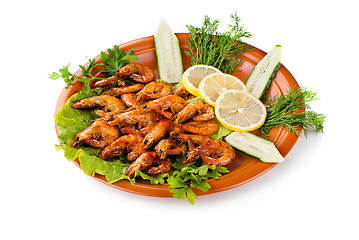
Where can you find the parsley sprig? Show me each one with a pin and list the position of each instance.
(69, 78)
(114, 59)
(190, 176)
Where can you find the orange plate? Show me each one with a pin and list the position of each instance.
(244, 168)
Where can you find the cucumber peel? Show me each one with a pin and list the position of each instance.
(255, 146)
(263, 73)
(168, 53)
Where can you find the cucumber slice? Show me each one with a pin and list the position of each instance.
(168, 54)
(263, 73)
(255, 146)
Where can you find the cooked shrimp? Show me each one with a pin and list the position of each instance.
(202, 128)
(108, 83)
(156, 133)
(169, 146)
(196, 153)
(136, 72)
(196, 139)
(163, 166)
(108, 103)
(134, 117)
(221, 155)
(129, 99)
(99, 134)
(198, 111)
(122, 90)
(128, 143)
(142, 163)
(154, 90)
(203, 142)
(183, 93)
(173, 103)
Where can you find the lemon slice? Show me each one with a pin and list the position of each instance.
(240, 111)
(194, 75)
(216, 83)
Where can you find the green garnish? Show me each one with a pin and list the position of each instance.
(69, 78)
(115, 59)
(211, 47)
(287, 110)
(190, 176)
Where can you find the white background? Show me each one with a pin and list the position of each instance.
(312, 195)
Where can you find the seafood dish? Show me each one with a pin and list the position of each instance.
(149, 122)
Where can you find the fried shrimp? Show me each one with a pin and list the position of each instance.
(122, 90)
(136, 72)
(142, 163)
(130, 144)
(99, 134)
(129, 99)
(221, 154)
(154, 90)
(163, 166)
(134, 117)
(107, 83)
(196, 139)
(171, 102)
(169, 146)
(202, 128)
(203, 142)
(156, 133)
(108, 104)
(198, 111)
(183, 93)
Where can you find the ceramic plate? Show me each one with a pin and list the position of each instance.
(243, 168)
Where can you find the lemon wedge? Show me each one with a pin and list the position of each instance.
(194, 75)
(240, 111)
(216, 83)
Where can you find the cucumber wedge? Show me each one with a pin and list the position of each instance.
(168, 54)
(263, 73)
(255, 146)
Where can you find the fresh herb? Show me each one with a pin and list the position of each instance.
(190, 176)
(116, 58)
(293, 110)
(69, 78)
(209, 46)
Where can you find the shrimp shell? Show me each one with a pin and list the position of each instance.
(163, 166)
(99, 134)
(169, 146)
(174, 103)
(156, 133)
(154, 90)
(127, 143)
(142, 163)
(136, 72)
(202, 128)
(122, 90)
(108, 83)
(108, 103)
(222, 154)
(198, 111)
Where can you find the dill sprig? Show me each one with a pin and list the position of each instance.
(291, 111)
(211, 47)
